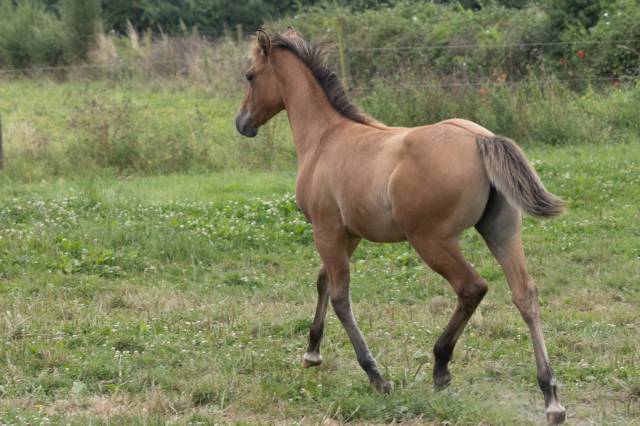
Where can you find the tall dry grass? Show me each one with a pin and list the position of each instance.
(216, 64)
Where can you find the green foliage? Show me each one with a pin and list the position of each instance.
(106, 138)
(619, 23)
(210, 16)
(107, 128)
(445, 42)
(81, 19)
(103, 128)
(452, 41)
(29, 35)
(566, 13)
(435, 41)
(116, 14)
(548, 113)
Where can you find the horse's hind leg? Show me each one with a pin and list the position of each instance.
(500, 227)
(312, 357)
(444, 257)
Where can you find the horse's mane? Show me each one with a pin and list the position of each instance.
(313, 58)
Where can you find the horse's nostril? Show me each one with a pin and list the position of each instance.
(249, 130)
(244, 126)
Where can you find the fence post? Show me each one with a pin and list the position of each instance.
(239, 33)
(226, 31)
(1, 153)
(343, 50)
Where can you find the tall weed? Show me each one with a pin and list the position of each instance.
(533, 112)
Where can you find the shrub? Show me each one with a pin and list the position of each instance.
(449, 43)
(107, 137)
(441, 41)
(621, 24)
(29, 35)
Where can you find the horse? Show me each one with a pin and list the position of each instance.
(360, 179)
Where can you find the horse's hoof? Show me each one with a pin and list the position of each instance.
(311, 359)
(442, 381)
(556, 414)
(384, 386)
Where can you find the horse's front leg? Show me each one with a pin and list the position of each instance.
(312, 357)
(333, 246)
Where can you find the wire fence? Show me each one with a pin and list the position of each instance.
(33, 111)
(60, 68)
(375, 82)
(190, 53)
(330, 48)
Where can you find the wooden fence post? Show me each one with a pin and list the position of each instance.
(343, 50)
(226, 32)
(239, 34)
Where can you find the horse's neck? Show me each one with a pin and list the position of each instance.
(310, 114)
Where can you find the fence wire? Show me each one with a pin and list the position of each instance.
(330, 48)
(36, 112)
(375, 82)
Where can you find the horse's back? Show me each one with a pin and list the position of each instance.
(468, 125)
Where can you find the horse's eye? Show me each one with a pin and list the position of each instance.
(249, 77)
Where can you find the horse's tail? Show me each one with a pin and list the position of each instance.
(512, 175)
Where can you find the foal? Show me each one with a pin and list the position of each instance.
(358, 178)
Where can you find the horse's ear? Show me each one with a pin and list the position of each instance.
(291, 32)
(264, 41)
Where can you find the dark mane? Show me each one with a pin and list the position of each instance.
(313, 58)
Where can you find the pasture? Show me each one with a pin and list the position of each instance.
(187, 298)
(154, 265)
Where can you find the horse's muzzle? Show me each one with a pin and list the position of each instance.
(244, 125)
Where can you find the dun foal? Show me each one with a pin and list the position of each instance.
(358, 178)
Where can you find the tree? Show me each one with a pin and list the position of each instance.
(116, 13)
(210, 16)
(82, 22)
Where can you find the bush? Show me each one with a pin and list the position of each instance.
(29, 35)
(555, 38)
(437, 41)
(566, 13)
(621, 24)
(106, 137)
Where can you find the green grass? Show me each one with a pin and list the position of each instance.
(188, 299)
(87, 128)
(132, 126)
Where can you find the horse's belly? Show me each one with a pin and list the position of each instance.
(373, 225)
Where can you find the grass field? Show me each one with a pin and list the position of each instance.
(188, 299)
(87, 128)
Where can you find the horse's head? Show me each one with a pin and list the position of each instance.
(263, 99)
